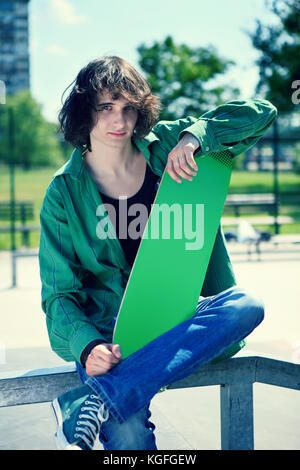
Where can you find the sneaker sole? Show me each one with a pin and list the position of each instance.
(59, 437)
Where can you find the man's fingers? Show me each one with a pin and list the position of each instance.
(179, 168)
(190, 159)
(184, 167)
(181, 163)
(186, 162)
(172, 172)
(102, 358)
(104, 353)
(116, 350)
(95, 370)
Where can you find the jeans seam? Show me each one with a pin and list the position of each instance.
(93, 383)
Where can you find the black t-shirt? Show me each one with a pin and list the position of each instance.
(129, 228)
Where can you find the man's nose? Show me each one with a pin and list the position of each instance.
(119, 117)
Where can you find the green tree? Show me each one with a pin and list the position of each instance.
(183, 77)
(279, 47)
(30, 140)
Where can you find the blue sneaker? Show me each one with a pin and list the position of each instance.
(79, 414)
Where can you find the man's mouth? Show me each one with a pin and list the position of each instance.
(117, 134)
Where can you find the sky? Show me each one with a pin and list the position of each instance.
(66, 34)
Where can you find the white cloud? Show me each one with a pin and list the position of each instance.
(65, 12)
(56, 49)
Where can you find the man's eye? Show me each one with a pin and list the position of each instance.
(129, 108)
(106, 107)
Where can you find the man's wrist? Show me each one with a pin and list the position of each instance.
(88, 349)
(192, 139)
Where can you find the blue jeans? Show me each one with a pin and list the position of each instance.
(136, 433)
(219, 322)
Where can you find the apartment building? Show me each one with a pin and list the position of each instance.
(14, 50)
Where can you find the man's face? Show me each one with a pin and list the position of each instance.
(115, 120)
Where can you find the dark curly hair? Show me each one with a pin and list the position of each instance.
(113, 74)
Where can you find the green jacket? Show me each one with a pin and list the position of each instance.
(83, 278)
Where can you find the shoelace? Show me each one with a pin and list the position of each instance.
(96, 413)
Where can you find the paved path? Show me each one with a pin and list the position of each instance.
(185, 419)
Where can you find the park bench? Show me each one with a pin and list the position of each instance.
(257, 201)
(23, 211)
(235, 376)
(259, 235)
(264, 201)
(289, 239)
(260, 220)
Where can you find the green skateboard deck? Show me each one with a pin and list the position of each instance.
(170, 266)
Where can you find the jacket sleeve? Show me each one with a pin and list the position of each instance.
(235, 126)
(63, 298)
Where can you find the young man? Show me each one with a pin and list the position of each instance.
(110, 116)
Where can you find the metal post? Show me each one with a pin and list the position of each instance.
(275, 173)
(237, 416)
(12, 194)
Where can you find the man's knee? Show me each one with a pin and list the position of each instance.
(244, 307)
(248, 306)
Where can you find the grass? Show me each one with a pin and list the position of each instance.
(263, 182)
(31, 185)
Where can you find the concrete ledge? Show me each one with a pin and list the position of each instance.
(42, 385)
(235, 377)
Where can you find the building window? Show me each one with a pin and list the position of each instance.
(7, 6)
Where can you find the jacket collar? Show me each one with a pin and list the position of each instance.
(74, 166)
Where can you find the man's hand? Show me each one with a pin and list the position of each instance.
(102, 358)
(181, 159)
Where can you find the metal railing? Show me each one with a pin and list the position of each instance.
(235, 377)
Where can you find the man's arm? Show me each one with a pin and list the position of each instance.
(69, 328)
(235, 126)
